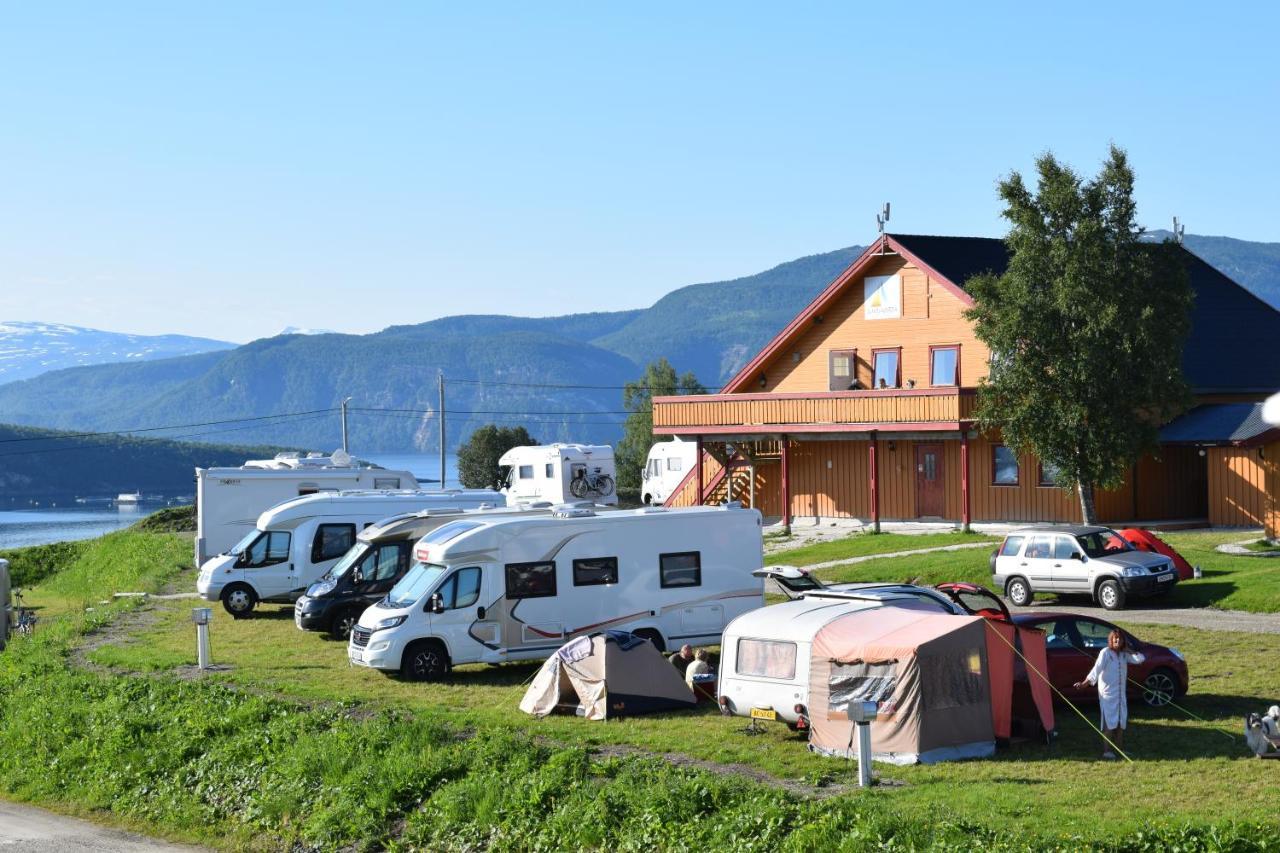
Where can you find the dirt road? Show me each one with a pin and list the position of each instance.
(26, 828)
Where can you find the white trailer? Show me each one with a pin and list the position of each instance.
(518, 588)
(561, 473)
(229, 500)
(297, 541)
(668, 464)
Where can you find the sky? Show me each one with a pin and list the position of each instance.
(227, 170)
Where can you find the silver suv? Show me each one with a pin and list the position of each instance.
(1093, 561)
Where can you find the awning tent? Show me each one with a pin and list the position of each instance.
(604, 675)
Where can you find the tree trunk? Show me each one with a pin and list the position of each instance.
(1088, 513)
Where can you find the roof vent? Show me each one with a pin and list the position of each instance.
(650, 510)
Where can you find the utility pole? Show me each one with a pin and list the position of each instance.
(345, 448)
(440, 381)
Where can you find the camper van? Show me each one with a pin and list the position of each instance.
(517, 588)
(229, 500)
(297, 541)
(382, 554)
(560, 473)
(668, 464)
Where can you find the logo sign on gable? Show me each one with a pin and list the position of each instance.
(883, 297)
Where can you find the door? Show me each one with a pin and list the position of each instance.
(1069, 572)
(459, 597)
(1037, 562)
(381, 568)
(930, 497)
(1066, 656)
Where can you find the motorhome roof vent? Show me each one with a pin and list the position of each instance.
(539, 505)
(650, 510)
(572, 512)
(441, 510)
(732, 504)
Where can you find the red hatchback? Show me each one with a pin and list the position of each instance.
(1072, 643)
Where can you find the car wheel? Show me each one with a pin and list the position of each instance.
(1018, 591)
(1159, 688)
(239, 600)
(340, 627)
(652, 636)
(648, 500)
(425, 660)
(1110, 595)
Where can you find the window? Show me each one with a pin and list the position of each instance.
(955, 684)
(267, 550)
(595, 571)
(1040, 548)
(1064, 548)
(386, 482)
(843, 369)
(1057, 635)
(462, 589)
(1048, 474)
(1004, 466)
(675, 463)
(385, 563)
(531, 580)
(1093, 635)
(861, 682)
(526, 472)
(550, 470)
(1103, 542)
(683, 569)
(944, 365)
(886, 367)
(332, 541)
(766, 659)
(1012, 545)
(654, 469)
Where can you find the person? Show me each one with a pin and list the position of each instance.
(681, 659)
(701, 665)
(1111, 674)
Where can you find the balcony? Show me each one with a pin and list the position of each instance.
(835, 411)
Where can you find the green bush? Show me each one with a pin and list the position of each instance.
(31, 565)
(174, 519)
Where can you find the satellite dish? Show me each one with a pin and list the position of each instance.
(341, 457)
(1271, 410)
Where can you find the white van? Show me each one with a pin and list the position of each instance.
(229, 500)
(561, 473)
(668, 464)
(297, 541)
(518, 588)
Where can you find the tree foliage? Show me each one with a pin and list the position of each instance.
(1086, 326)
(659, 380)
(478, 466)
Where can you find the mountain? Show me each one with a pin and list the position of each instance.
(498, 369)
(29, 349)
(42, 464)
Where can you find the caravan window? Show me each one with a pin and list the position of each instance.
(595, 571)
(386, 482)
(267, 549)
(550, 470)
(675, 463)
(861, 682)
(683, 569)
(332, 541)
(526, 472)
(531, 580)
(462, 589)
(766, 659)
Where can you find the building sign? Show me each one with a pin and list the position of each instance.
(883, 297)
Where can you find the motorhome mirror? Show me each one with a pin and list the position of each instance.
(436, 603)
(357, 576)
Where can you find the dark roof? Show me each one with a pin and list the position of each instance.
(1234, 334)
(1217, 423)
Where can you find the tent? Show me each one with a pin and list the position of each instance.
(928, 672)
(607, 674)
(1145, 540)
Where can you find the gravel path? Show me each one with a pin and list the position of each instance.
(1189, 617)
(26, 828)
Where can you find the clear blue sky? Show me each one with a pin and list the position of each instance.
(229, 169)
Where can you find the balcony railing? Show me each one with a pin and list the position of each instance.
(824, 410)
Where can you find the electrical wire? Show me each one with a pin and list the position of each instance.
(637, 386)
(485, 411)
(64, 436)
(116, 445)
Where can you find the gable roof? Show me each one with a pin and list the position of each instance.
(1219, 423)
(1231, 347)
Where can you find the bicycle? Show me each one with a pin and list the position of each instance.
(26, 621)
(590, 484)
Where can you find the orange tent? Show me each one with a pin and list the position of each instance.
(1145, 540)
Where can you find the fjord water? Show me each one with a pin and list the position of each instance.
(20, 528)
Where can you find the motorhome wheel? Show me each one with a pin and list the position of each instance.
(340, 627)
(239, 600)
(425, 660)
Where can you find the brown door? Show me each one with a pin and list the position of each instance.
(930, 498)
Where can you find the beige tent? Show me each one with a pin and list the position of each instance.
(609, 674)
(928, 672)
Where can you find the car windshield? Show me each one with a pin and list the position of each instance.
(245, 543)
(354, 554)
(1102, 543)
(410, 588)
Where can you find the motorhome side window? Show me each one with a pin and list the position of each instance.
(462, 589)
(384, 563)
(332, 541)
(267, 550)
(386, 482)
(766, 658)
(683, 569)
(526, 472)
(550, 470)
(531, 580)
(675, 463)
(595, 571)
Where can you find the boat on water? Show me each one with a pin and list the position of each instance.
(129, 498)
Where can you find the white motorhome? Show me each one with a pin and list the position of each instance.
(229, 500)
(297, 541)
(668, 464)
(561, 473)
(517, 588)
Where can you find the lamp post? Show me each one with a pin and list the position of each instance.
(201, 616)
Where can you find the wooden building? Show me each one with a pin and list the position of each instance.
(862, 407)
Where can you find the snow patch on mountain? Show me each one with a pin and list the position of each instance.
(28, 349)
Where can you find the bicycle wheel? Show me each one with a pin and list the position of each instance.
(578, 487)
(605, 483)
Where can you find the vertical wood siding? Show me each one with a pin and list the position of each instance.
(1271, 517)
(1237, 487)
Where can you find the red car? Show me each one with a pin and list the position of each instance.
(1072, 643)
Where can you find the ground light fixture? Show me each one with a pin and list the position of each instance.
(202, 616)
(862, 713)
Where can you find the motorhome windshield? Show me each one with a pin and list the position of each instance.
(349, 559)
(415, 584)
(241, 546)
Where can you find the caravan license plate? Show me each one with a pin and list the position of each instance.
(763, 714)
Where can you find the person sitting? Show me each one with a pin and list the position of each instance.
(701, 665)
(682, 659)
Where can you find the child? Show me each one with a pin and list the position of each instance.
(1111, 673)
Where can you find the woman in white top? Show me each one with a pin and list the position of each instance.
(1111, 673)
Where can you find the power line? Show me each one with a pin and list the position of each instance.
(64, 436)
(637, 386)
(512, 418)
(486, 411)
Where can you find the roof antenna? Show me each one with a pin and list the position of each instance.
(1179, 228)
(882, 217)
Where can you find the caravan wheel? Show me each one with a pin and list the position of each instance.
(425, 660)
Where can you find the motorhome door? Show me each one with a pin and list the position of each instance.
(458, 616)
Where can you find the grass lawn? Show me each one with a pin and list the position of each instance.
(1262, 546)
(867, 544)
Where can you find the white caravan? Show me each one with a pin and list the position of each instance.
(297, 541)
(561, 473)
(518, 588)
(229, 500)
(668, 464)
